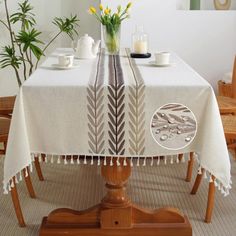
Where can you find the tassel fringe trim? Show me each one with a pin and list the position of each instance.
(99, 160)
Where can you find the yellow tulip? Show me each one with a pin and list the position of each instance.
(101, 7)
(119, 9)
(92, 10)
(107, 11)
(129, 5)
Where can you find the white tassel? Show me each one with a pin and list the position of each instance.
(177, 159)
(222, 190)
(20, 179)
(32, 156)
(199, 170)
(85, 160)
(65, 161)
(211, 180)
(131, 162)
(118, 162)
(188, 157)
(205, 175)
(183, 159)
(137, 162)
(46, 158)
(151, 162)
(59, 160)
(226, 193)
(91, 163)
(16, 179)
(105, 161)
(5, 189)
(12, 184)
(158, 161)
(31, 168)
(171, 160)
(78, 160)
(99, 161)
(165, 160)
(144, 161)
(125, 162)
(26, 172)
(215, 183)
(111, 161)
(40, 158)
(72, 160)
(52, 159)
(9, 188)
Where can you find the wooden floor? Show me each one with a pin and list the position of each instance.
(80, 187)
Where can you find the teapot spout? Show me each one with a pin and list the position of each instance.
(96, 47)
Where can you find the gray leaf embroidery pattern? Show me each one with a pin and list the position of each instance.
(136, 119)
(95, 108)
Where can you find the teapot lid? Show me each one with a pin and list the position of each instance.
(86, 38)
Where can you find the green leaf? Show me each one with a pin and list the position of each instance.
(67, 25)
(8, 58)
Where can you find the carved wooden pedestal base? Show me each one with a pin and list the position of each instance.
(116, 215)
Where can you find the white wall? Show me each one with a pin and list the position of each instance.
(45, 11)
(204, 39)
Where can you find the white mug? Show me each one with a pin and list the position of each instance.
(66, 60)
(162, 58)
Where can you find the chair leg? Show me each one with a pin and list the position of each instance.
(16, 203)
(29, 183)
(38, 169)
(210, 202)
(190, 168)
(197, 182)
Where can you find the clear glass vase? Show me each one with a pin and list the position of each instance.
(111, 36)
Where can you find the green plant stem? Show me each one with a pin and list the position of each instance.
(1, 21)
(30, 62)
(23, 57)
(12, 42)
(45, 48)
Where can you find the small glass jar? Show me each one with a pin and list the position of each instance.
(139, 41)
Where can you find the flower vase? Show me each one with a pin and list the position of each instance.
(195, 4)
(111, 36)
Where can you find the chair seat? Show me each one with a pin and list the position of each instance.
(226, 104)
(229, 124)
(4, 127)
(7, 105)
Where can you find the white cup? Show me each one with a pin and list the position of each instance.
(66, 60)
(162, 58)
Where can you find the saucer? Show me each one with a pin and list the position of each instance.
(58, 66)
(153, 63)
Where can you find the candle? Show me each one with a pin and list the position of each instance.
(140, 47)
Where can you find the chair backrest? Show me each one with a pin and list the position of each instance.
(234, 80)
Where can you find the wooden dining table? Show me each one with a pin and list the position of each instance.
(100, 111)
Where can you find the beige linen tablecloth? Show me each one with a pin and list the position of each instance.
(104, 108)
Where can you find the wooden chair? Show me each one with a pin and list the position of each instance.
(227, 105)
(6, 106)
(4, 129)
(229, 124)
(6, 110)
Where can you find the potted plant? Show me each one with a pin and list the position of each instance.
(111, 22)
(26, 49)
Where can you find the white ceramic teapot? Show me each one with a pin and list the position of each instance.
(86, 47)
